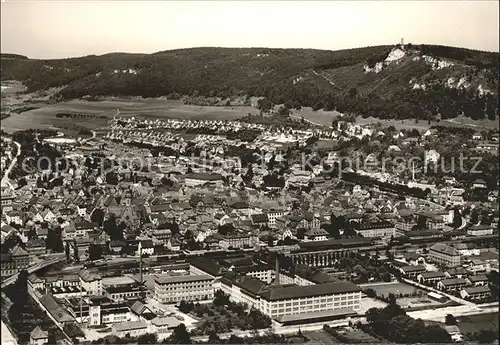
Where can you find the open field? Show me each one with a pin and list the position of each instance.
(417, 302)
(353, 335)
(320, 337)
(367, 303)
(474, 323)
(45, 116)
(396, 289)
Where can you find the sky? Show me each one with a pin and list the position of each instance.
(57, 29)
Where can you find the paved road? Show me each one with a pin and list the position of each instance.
(439, 314)
(5, 177)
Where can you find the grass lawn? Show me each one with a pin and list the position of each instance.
(320, 337)
(358, 336)
(409, 124)
(474, 323)
(399, 288)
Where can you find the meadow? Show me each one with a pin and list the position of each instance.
(44, 116)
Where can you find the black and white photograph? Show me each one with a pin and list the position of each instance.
(249, 172)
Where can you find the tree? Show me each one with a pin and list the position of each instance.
(148, 338)
(283, 110)
(75, 252)
(457, 217)
(450, 320)
(301, 233)
(392, 298)
(111, 227)
(52, 338)
(180, 335)
(386, 276)
(264, 105)
(95, 252)
(474, 216)
(54, 242)
(421, 222)
(485, 336)
(370, 293)
(213, 338)
(66, 251)
(97, 216)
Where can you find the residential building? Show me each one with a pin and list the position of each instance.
(161, 236)
(198, 179)
(456, 272)
(477, 280)
(444, 254)
(91, 282)
(38, 336)
(467, 249)
(412, 271)
(260, 219)
(146, 246)
(430, 278)
(172, 289)
(35, 247)
(453, 284)
(480, 230)
(475, 293)
(379, 228)
(14, 261)
(237, 240)
(274, 214)
(130, 329)
(316, 235)
(164, 326)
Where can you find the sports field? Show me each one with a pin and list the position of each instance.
(396, 289)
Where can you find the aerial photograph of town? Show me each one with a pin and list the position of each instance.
(249, 172)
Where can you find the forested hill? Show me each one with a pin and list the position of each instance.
(414, 81)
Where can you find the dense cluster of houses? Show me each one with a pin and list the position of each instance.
(191, 205)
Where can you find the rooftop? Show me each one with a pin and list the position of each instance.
(129, 326)
(169, 279)
(282, 292)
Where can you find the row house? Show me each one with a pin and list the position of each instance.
(160, 236)
(475, 293)
(237, 240)
(14, 217)
(478, 280)
(467, 249)
(480, 230)
(379, 228)
(430, 278)
(454, 284)
(412, 271)
(44, 216)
